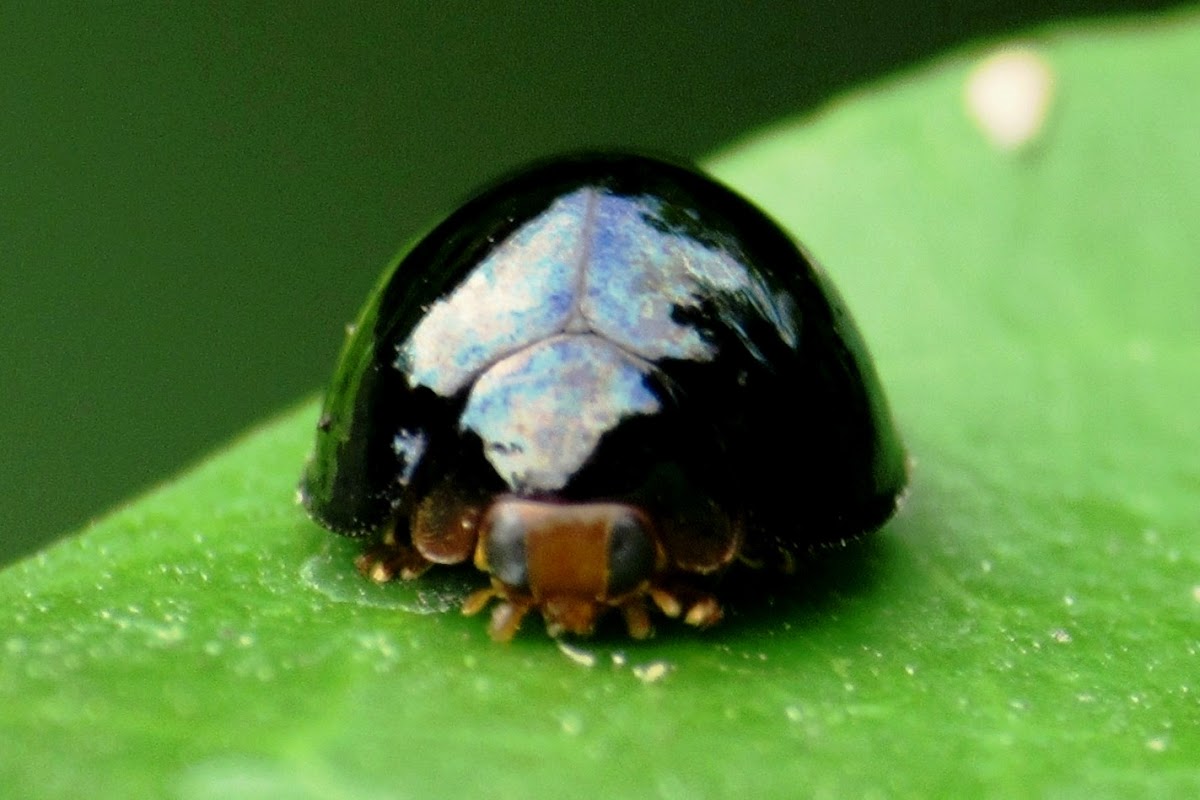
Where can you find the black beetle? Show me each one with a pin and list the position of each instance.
(604, 380)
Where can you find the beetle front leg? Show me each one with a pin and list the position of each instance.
(506, 616)
(390, 558)
(698, 608)
(637, 617)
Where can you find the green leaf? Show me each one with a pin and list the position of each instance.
(1028, 625)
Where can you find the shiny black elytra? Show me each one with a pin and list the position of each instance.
(603, 380)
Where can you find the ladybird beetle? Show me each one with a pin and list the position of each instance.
(603, 381)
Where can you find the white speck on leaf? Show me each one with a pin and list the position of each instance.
(1009, 94)
(571, 723)
(576, 655)
(652, 672)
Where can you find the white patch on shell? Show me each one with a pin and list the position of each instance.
(639, 274)
(408, 446)
(541, 413)
(591, 262)
(523, 291)
(1008, 96)
(554, 332)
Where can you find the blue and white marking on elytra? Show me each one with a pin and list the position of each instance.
(558, 327)
(581, 383)
(408, 446)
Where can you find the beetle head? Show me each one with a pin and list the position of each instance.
(571, 561)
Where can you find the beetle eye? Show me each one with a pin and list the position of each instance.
(630, 554)
(505, 547)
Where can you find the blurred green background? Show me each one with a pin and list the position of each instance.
(195, 198)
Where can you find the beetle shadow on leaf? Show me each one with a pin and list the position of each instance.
(818, 587)
(860, 578)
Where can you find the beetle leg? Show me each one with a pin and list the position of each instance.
(391, 558)
(697, 608)
(704, 612)
(637, 618)
(477, 601)
(666, 601)
(699, 537)
(506, 619)
(444, 526)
